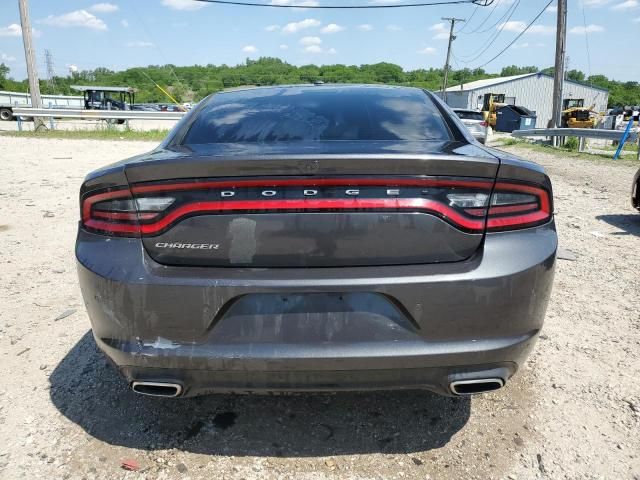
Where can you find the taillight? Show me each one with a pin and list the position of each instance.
(484, 124)
(513, 206)
(116, 212)
(468, 204)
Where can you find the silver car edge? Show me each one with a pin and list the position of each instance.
(317, 238)
(474, 120)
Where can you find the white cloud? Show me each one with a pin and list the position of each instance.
(313, 45)
(284, 47)
(77, 18)
(552, 9)
(139, 44)
(124, 23)
(589, 29)
(272, 28)
(365, 27)
(295, 27)
(188, 5)
(332, 28)
(7, 58)
(629, 4)
(519, 26)
(427, 51)
(12, 30)
(310, 41)
(103, 8)
(393, 28)
(542, 29)
(442, 33)
(249, 49)
(313, 49)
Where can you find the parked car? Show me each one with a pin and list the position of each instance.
(317, 238)
(635, 191)
(475, 122)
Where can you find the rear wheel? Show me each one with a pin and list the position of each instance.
(6, 114)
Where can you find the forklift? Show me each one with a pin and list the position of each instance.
(492, 101)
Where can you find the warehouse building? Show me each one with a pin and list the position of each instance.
(531, 90)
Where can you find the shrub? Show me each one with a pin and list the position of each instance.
(571, 144)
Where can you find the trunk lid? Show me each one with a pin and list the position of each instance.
(323, 204)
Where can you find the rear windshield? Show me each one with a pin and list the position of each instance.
(317, 114)
(466, 115)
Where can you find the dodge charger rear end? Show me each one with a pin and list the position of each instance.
(317, 238)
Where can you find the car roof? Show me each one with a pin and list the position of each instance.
(322, 86)
(467, 110)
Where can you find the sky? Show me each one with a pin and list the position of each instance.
(124, 33)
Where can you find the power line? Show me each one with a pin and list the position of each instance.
(586, 40)
(486, 18)
(519, 35)
(155, 45)
(478, 53)
(509, 12)
(475, 10)
(482, 3)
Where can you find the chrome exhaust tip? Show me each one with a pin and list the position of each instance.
(157, 389)
(472, 387)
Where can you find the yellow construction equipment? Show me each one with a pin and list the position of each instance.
(492, 102)
(576, 115)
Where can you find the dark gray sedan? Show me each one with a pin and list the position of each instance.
(317, 238)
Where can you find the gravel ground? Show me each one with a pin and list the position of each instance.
(572, 412)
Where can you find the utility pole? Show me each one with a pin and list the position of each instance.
(561, 48)
(452, 37)
(32, 73)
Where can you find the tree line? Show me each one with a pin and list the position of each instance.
(192, 83)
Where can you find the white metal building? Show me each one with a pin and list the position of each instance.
(531, 90)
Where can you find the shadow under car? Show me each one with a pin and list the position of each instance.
(87, 390)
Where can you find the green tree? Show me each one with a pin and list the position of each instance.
(515, 70)
(576, 75)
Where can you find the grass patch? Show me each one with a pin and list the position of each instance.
(571, 144)
(109, 133)
(628, 158)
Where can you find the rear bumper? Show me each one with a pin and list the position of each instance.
(422, 326)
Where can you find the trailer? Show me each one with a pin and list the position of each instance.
(9, 100)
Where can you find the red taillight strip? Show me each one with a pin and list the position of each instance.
(526, 219)
(416, 204)
(520, 221)
(542, 194)
(481, 212)
(109, 227)
(92, 219)
(312, 182)
(91, 200)
(124, 216)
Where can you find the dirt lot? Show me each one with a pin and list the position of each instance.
(573, 412)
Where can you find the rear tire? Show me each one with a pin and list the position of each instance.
(6, 114)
